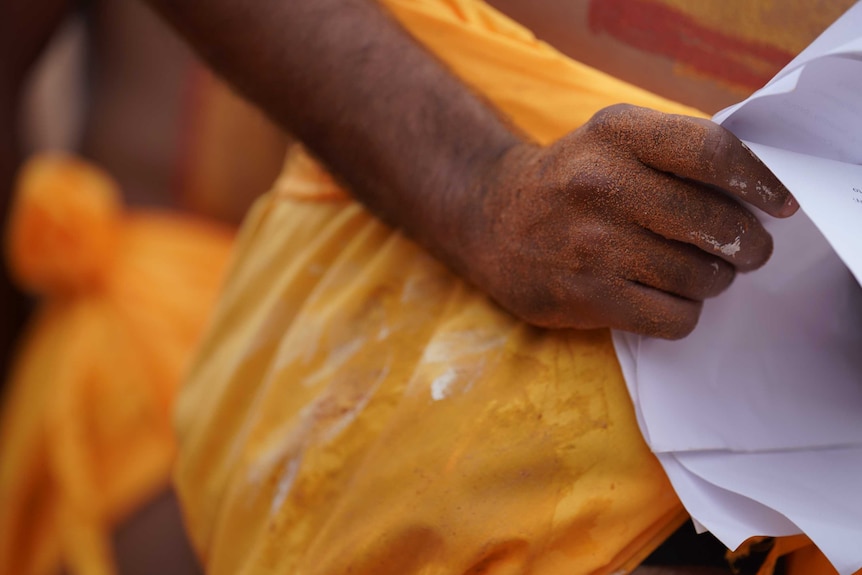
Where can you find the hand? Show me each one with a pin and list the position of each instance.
(621, 224)
(617, 225)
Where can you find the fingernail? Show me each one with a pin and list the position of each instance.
(790, 207)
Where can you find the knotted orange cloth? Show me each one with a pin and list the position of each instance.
(85, 434)
(356, 408)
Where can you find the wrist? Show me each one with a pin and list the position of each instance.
(476, 216)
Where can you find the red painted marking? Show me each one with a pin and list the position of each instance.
(657, 28)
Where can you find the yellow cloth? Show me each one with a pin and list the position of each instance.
(801, 557)
(357, 408)
(85, 433)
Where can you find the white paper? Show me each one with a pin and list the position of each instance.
(775, 362)
(825, 501)
(731, 516)
(757, 416)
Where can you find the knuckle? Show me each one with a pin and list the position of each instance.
(608, 120)
(594, 241)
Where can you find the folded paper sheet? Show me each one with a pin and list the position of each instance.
(757, 416)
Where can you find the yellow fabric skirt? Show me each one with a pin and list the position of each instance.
(360, 409)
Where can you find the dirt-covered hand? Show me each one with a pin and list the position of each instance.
(630, 222)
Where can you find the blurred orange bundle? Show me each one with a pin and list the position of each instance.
(86, 432)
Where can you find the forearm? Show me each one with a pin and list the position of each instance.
(617, 224)
(406, 136)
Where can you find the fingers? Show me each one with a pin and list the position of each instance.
(690, 213)
(617, 304)
(703, 151)
(637, 282)
(646, 311)
(675, 268)
(627, 226)
(669, 317)
(667, 283)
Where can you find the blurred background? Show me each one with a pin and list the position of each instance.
(106, 82)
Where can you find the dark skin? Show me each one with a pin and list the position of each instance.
(549, 233)
(618, 224)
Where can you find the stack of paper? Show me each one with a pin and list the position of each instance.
(757, 416)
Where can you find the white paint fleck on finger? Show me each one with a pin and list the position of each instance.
(766, 193)
(729, 249)
(739, 185)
